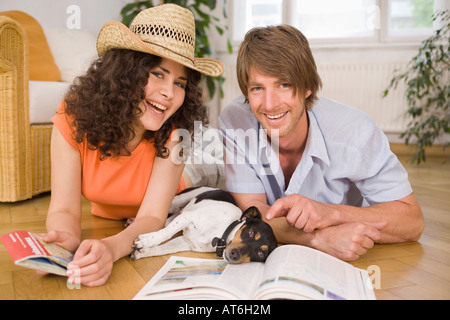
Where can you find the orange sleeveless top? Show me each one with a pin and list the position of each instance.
(115, 186)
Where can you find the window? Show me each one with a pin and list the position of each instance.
(410, 17)
(255, 13)
(321, 19)
(328, 20)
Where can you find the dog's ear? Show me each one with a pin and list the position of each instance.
(251, 212)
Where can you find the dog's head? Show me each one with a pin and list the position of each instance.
(253, 242)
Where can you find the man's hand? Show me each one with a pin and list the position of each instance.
(348, 241)
(303, 213)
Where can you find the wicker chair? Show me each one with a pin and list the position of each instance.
(24, 148)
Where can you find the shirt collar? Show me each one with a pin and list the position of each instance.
(315, 145)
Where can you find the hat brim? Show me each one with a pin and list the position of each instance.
(116, 35)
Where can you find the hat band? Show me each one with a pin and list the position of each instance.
(179, 54)
(164, 31)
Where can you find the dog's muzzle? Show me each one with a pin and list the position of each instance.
(221, 243)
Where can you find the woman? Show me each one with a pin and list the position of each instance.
(111, 138)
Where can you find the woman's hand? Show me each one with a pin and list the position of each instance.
(93, 260)
(92, 264)
(62, 239)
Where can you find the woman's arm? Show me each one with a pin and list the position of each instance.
(152, 214)
(94, 259)
(64, 214)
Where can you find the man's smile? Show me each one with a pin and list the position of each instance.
(276, 116)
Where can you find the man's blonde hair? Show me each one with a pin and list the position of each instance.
(282, 52)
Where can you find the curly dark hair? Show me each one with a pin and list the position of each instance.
(105, 103)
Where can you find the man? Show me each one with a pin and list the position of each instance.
(320, 172)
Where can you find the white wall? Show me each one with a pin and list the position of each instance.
(53, 13)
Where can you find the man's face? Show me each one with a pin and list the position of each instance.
(274, 104)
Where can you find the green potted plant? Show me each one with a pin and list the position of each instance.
(427, 80)
(203, 22)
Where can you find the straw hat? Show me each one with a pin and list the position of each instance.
(167, 31)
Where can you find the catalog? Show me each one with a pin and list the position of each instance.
(28, 250)
(290, 272)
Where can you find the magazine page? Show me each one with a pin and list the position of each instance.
(298, 272)
(192, 278)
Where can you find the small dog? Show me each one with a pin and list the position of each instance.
(203, 214)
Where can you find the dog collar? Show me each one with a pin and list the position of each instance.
(221, 243)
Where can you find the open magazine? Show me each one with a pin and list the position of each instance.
(28, 250)
(290, 272)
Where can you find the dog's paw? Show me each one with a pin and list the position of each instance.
(143, 241)
(137, 251)
(140, 253)
(138, 245)
(135, 255)
(128, 222)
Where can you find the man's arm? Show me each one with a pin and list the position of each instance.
(347, 232)
(404, 217)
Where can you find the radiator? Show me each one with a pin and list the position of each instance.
(359, 84)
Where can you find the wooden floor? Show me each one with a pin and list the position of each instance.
(418, 270)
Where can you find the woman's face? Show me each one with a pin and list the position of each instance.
(164, 94)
